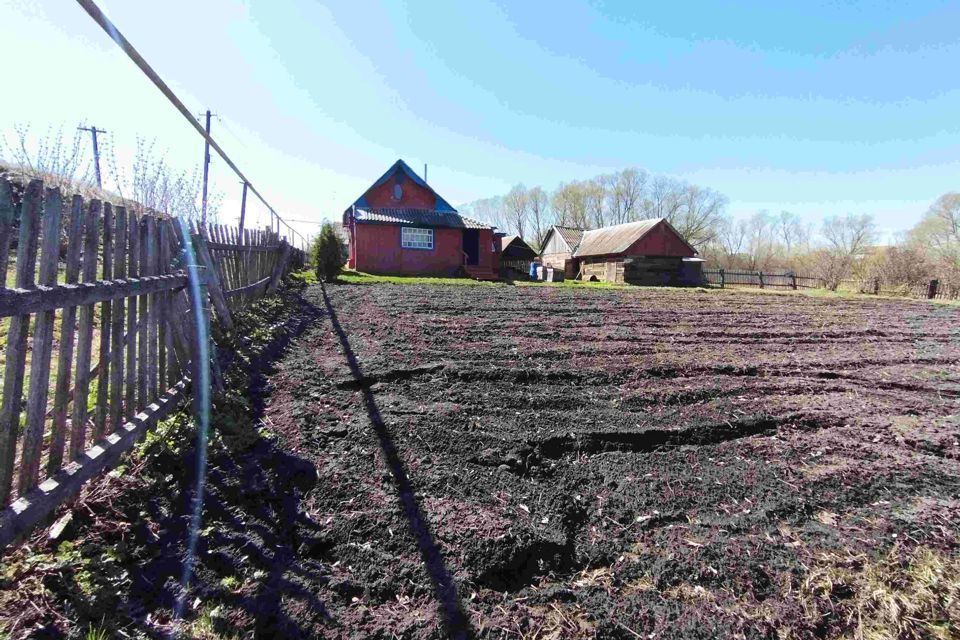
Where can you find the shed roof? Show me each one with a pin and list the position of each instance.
(619, 237)
(506, 241)
(570, 235)
(418, 217)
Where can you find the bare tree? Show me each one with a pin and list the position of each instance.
(729, 245)
(938, 235)
(55, 158)
(569, 203)
(665, 197)
(538, 205)
(699, 214)
(761, 241)
(489, 210)
(794, 235)
(846, 240)
(155, 186)
(596, 196)
(517, 207)
(625, 195)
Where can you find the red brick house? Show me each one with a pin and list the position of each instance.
(401, 226)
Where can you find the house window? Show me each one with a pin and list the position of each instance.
(415, 238)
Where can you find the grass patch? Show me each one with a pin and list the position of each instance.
(574, 284)
(829, 295)
(357, 277)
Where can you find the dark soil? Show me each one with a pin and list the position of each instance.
(551, 462)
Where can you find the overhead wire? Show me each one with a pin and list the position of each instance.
(111, 30)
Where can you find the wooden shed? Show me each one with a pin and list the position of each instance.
(647, 252)
(558, 247)
(515, 254)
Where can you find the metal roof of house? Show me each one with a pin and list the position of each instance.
(615, 239)
(417, 217)
(400, 165)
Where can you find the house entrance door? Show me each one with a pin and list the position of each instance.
(471, 246)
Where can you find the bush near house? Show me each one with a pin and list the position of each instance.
(328, 254)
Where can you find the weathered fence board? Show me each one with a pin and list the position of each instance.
(103, 374)
(7, 214)
(62, 393)
(122, 354)
(17, 338)
(91, 241)
(42, 348)
(119, 316)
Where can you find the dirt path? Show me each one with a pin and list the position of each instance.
(547, 462)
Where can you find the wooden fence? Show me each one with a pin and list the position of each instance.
(99, 330)
(933, 289)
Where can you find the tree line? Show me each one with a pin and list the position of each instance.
(624, 196)
(845, 248)
(841, 247)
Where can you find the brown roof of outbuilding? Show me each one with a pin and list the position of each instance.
(519, 245)
(615, 239)
(421, 217)
(570, 235)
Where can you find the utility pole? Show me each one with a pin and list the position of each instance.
(96, 152)
(206, 169)
(243, 207)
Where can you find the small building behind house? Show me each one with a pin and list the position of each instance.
(558, 248)
(401, 226)
(515, 256)
(646, 252)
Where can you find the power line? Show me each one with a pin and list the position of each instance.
(111, 30)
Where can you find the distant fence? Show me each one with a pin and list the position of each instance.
(789, 280)
(523, 266)
(110, 336)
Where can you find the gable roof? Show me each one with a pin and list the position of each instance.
(520, 243)
(571, 236)
(416, 217)
(620, 237)
(401, 166)
(506, 241)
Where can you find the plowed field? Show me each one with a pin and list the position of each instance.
(557, 462)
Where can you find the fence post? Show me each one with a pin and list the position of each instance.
(723, 279)
(793, 280)
(280, 267)
(932, 289)
(876, 286)
(760, 275)
(211, 280)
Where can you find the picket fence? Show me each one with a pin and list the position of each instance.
(100, 333)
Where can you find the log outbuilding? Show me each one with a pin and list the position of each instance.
(646, 252)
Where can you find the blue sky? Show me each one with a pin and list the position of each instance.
(817, 107)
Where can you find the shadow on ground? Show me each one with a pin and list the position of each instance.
(444, 587)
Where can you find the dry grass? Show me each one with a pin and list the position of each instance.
(905, 595)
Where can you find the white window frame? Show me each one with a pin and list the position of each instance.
(416, 238)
